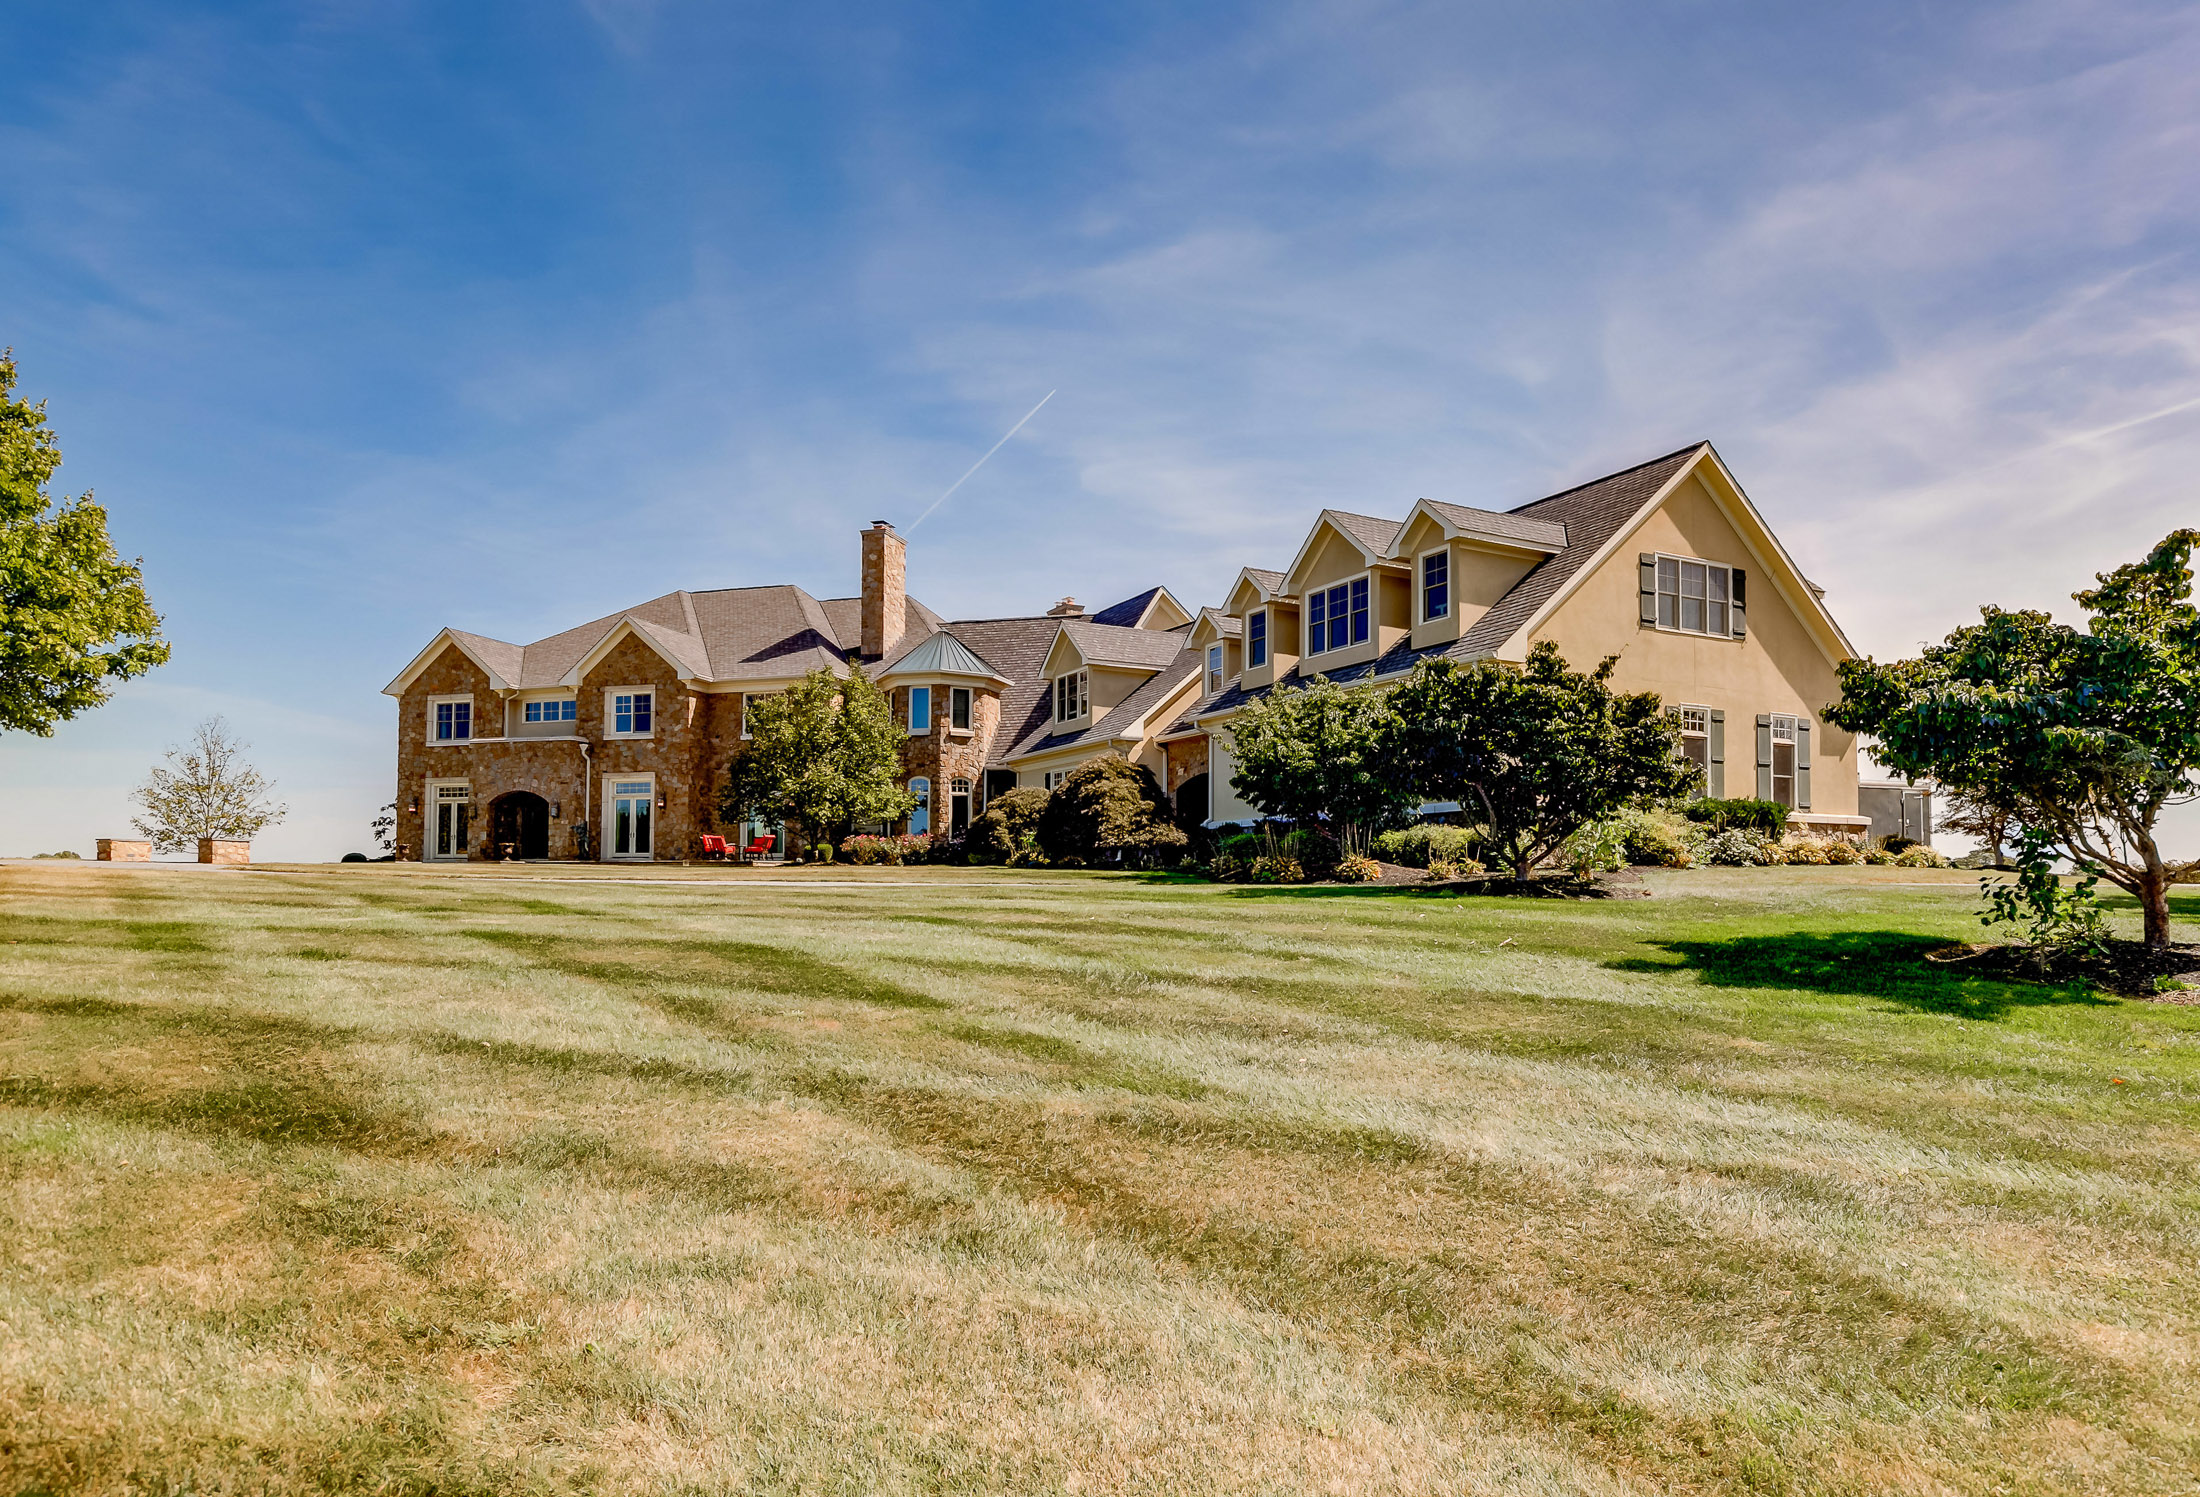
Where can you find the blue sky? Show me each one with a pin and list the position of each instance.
(367, 318)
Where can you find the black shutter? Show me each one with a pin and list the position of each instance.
(1764, 756)
(1649, 589)
(1740, 610)
(1802, 764)
(1714, 780)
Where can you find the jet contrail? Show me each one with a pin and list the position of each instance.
(974, 467)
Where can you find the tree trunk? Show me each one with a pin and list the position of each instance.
(2154, 900)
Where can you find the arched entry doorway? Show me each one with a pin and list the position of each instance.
(519, 825)
(1191, 801)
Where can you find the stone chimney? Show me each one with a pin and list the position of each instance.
(885, 588)
(1068, 608)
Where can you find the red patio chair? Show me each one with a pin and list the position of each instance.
(761, 847)
(713, 847)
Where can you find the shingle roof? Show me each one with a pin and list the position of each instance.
(1127, 613)
(1226, 624)
(1112, 644)
(1372, 532)
(1514, 526)
(1017, 648)
(1151, 692)
(1592, 514)
(1269, 581)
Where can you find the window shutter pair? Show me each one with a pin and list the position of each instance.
(1802, 764)
(1764, 756)
(1714, 780)
(1649, 590)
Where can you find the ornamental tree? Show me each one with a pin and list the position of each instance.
(1110, 806)
(2086, 736)
(823, 756)
(206, 789)
(1315, 755)
(1536, 752)
(74, 618)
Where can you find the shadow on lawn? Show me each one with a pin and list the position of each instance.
(1883, 964)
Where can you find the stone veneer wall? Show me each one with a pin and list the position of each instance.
(1186, 758)
(942, 755)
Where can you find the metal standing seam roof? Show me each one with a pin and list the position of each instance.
(941, 653)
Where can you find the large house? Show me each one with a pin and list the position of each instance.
(612, 739)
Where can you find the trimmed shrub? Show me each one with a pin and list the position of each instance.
(1110, 809)
(1805, 850)
(1418, 846)
(1228, 868)
(1359, 869)
(1277, 869)
(1842, 850)
(1444, 870)
(1739, 812)
(1659, 839)
(1733, 849)
(1595, 847)
(1008, 831)
(1918, 855)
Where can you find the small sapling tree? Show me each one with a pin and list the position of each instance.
(2086, 736)
(824, 755)
(1536, 752)
(206, 789)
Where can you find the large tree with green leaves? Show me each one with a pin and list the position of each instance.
(1534, 751)
(1314, 755)
(2086, 736)
(74, 618)
(823, 756)
(206, 789)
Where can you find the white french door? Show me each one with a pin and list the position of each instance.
(450, 812)
(627, 812)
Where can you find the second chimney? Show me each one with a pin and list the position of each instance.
(885, 588)
(1068, 608)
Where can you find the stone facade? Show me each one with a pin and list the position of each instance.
(885, 599)
(1187, 758)
(224, 850)
(947, 754)
(123, 850)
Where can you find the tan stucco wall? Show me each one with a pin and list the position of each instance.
(1777, 667)
(1332, 560)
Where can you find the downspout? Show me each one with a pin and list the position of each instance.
(588, 765)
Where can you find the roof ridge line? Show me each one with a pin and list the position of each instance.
(1608, 477)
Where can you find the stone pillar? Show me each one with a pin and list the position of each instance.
(224, 850)
(122, 850)
(885, 584)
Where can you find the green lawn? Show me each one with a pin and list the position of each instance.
(389, 1180)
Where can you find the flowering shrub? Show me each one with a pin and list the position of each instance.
(1842, 850)
(1276, 869)
(1734, 848)
(1443, 870)
(1804, 850)
(1918, 855)
(891, 850)
(1359, 869)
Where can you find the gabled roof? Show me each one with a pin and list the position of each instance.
(1148, 610)
(1114, 645)
(1461, 521)
(1217, 623)
(1263, 582)
(495, 658)
(1372, 536)
(942, 654)
(1125, 716)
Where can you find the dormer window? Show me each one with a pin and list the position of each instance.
(1070, 697)
(1337, 617)
(1214, 669)
(1256, 639)
(1435, 586)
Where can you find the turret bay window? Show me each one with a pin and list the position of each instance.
(920, 709)
(1071, 700)
(1435, 586)
(1336, 618)
(958, 708)
(450, 719)
(920, 818)
(630, 711)
(1256, 639)
(1693, 597)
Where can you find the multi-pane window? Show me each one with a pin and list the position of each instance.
(454, 720)
(920, 816)
(1054, 778)
(550, 712)
(1695, 736)
(1436, 585)
(1070, 698)
(452, 810)
(920, 709)
(958, 708)
(1693, 596)
(1783, 759)
(631, 712)
(1256, 639)
(1337, 617)
(1214, 669)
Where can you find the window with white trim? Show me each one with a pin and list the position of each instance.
(556, 710)
(1436, 585)
(1695, 735)
(1256, 639)
(920, 709)
(1695, 597)
(1054, 778)
(1071, 696)
(920, 816)
(750, 699)
(1783, 759)
(958, 708)
(1336, 618)
(450, 809)
(630, 712)
(1214, 669)
(450, 719)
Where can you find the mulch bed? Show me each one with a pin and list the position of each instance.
(2129, 969)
